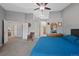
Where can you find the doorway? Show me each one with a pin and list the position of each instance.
(14, 30)
(43, 30)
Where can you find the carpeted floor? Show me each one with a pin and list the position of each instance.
(17, 47)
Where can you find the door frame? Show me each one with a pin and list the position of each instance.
(2, 32)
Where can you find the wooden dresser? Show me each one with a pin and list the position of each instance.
(55, 34)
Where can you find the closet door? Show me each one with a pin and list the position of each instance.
(25, 30)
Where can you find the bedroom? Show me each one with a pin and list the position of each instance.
(62, 18)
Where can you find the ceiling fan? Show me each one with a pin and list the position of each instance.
(42, 6)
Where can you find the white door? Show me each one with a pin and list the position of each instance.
(5, 31)
(25, 30)
(15, 30)
(43, 28)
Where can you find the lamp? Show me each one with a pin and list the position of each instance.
(59, 24)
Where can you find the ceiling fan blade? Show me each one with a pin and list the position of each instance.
(38, 4)
(47, 8)
(36, 9)
(46, 4)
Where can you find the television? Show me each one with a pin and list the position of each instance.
(75, 32)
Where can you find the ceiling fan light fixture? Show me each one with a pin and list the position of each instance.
(42, 8)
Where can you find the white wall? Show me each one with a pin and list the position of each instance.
(30, 18)
(16, 17)
(71, 17)
(56, 17)
(34, 24)
(53, 17)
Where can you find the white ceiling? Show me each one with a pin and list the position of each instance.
(29, 7)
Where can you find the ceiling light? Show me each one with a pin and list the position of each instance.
(42, 8)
